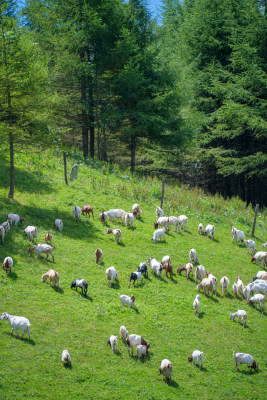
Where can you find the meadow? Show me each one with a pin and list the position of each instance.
(64, 319)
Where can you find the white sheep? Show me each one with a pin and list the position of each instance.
(158, 234)
(199, 273)
(224, 282)
(31, 232)
(197, 356)
(14, 218)
(111, 274)
(240, 285)
(193, 256)
(103, 217)
(115, 214)
(250, 244)
(241, 314)
(76, 212)
(136, 208)
(196, 304)
(237, 235)
(135, 340)
(113, 343)
(258, 299)
(175, 222)
(207, 286)
(8, 264)
(200, 229)
(257, 287)
(141, 351)
(183, 222)
(124, 333)
(261, 275)
(66, 358)
(129, 218)
(53, 276)
(166, 259)
(163, 222)
(159, 212)
(2, 232)
(21, 323)
(166, 369)
(126, 300)
(243, 358)
(260, 258)
(58, 224)
(234, 289)
(156, 266)
(214, 282)
(116, 233)
(6, 226)
(42, 248)
(210, 231)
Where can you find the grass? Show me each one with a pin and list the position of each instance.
(164, 314)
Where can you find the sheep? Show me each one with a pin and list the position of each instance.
(21, 323)
(193, 256)
(207, 286)
(142, 351)
(162, 222)
(81, 283)
(224, 282)
(8, 264)
(196, 305)
(248, 289)
(76, 212)
(124, 333)
(214, 282)
(135, 340)
(250, 244)
(2, 232)
(135, 276)
(115, 214)
(14, 218)
(264, 245)
(189, 268)
(197, 356)
(158, 234)
(259, 287)
(58, 224)
(159, 212)
(258, 299)
(66, 358)
(261, 275)
(234, 290)
(31, 232)
(237, 235)
(126, 300)
(129, 218)
(200, 229)
(155, 266)
(209, 231)
(168, 268)
(6, 226)
(88, 210)
(136, 208)
(48, 237)
(260, 258)
(113, 343)
(103, 217)
(143, 269)
(242, 358)
(53, 277)
(166, 369)
(240, 285)
(242, 315)
(183, 222)
(165, 259)
(116, 233)
(42, 248)
(199, 273)
(98, 256)
(175, 222)
(111, 274)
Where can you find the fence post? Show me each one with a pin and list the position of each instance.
(255, 217)
(65, 167)
(162, 192)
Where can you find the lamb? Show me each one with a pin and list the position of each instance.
(196, 305)
(88, 210)
(183, 222)
(197, 356)
(6, 226)
(224, 282)
(2, 232)
(142, 351)
(113, 343)
(66, 358)
(8, 264)
(209, 231)
(136, 208)
(163, 222)
(260, 258)
(14, 218)
(98, 255)
(21, 323)
(124, 333)
(240, 285)
(258, 299)
(31, 232)
(126, 300)
(42, 248)
(129, 218)
(116, 233)
(48, 238)
(242, 358)
(143, 269)
(214, 282)
(166, 369)
(237, 235)
(158, 234)
(261, 275)
(159, 212)
(207, 285)
(135, 276)
(200, 229)
(193, 256)
(53, 277)
(76, 212)
(155, 266)
(189, 268)
(199, 273)
(234, 290)
(135, 340)
(81, 283)
(58, 224)
(242, 315)
(168, 268)
(250, 244)
(111, 274)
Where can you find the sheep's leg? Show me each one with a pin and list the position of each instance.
(16, 332)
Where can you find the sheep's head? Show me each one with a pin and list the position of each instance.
(254, 365)
(31, 249)
(252, 259)
(73, 285)
(21, 220)
(4, 316)
(132, 298)
(109, 231)
(156, 225)
(238, 277)
(190, 358)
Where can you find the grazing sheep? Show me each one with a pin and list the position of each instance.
(207, 285)
(53, 277)
(135, 340)
(42, 248)
(183, 222)
(88, 210)
(237, 235)
(115, 214)
(189, 268)
(175, 222)
(258, 299)
(58, 224)
(214, 282)
(111, 274)
(6, 226)
(158, 234)
(81, 283)
(166, 369)
(196, 305)
(224, 282)
(260, 258)
(210, 231)
(143, 269)
(142, 351)
(200, 229)
(31, 232)
(199, 273)
(14, 218)
(193, 256)
(48, 238)
(197, 356)
(155, 266)
(242, 315)
(261, 275)
(103, 217)
(168, 268)
(21, 323)
(126, 300)
(66, 358)
(163, 222)
(135, 276)
(165, 259)
(113, 343)
(159, 212)
(124, 333)
(242, 358)
(116, 233)
(235, 289)
(258, 286)
(136, 208)
(76, 212)
(240, 285)
(8, 264)
(129, 218)
(2, 232)
(98, 255)
(250, 244)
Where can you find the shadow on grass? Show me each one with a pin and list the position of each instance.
(13, 276)
(115, 285)
(201, 315)
(173, 384)
(213, 299)
(121, 244)
(246, 372)
(136, 310)
(67, 366)
(24, 339)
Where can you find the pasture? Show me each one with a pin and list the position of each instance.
(64, 319)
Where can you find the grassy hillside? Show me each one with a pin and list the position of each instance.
(163, 315)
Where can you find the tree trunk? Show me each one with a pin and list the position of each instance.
(84, 112)
(133, 147)
(91, 119)
(12, 174)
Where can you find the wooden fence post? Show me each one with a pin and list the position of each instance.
(65, 167)
(162, 192)
(255, 217)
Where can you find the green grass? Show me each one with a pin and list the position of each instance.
(164, 314)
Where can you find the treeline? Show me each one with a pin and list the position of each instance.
(102, 74)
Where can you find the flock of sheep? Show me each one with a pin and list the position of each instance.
(208, 282)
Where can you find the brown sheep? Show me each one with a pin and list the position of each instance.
(168, 268)
(87, 210)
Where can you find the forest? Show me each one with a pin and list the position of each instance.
(182, 96)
